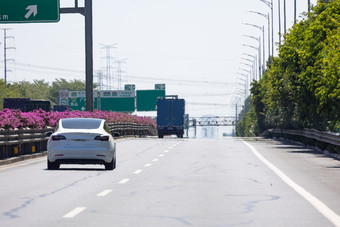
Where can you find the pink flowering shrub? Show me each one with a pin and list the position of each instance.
(38, 119)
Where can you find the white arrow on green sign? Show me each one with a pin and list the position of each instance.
(29, 11)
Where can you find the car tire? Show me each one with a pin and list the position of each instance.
(52, 165)
(111, 165)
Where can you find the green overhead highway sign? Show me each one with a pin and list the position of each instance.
(118, 100)
(29, 11)
(147, 99)
(77, 100)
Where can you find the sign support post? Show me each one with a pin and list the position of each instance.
(87, 12)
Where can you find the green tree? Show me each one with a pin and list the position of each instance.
(62, 84)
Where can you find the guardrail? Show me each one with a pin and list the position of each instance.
(330, 138)
(14, 143)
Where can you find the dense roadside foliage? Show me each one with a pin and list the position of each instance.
(301, 88)
(39, 89)
(38, 119)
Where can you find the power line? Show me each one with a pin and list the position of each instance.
(220, 83)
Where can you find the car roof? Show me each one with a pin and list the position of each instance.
(81, 123)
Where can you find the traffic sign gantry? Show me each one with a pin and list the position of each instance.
(29, 11)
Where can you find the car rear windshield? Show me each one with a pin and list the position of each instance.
(81, 123)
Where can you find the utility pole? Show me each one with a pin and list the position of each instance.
(5, 52)
(109, 76)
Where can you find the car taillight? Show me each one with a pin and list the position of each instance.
(58, 137)
(102, 138)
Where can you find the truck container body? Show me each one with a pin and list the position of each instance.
(31, 105)
(60, 108)
(15, 103)
(170, 117)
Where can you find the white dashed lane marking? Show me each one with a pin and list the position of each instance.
(104, 193)
(74, 212)
(123, 181)
(161, 155)
(148, 165)
(155, 160)
(138, 171)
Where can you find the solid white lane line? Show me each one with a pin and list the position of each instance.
(24, 163)
(148, 165)
(138, 171)
(104, 193)
(320, 206)
(161, 155)
(74, 212)
(155, 160)
(123, 181)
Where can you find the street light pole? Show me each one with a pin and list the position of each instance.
(270, 5)
(279, 5)
(262, 29)
(259, 40)
(294, 11)
(285, 17)
(256, 60)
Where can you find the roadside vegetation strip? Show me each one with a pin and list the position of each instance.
(320, 206)
(300, 88)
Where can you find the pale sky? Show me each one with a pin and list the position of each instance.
(193, 46)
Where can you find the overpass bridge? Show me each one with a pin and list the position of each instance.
(209, 121)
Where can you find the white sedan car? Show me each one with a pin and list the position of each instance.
(81, 141)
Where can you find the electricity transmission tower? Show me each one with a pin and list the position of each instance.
(119, 72)
(5, 52)
(107, 79)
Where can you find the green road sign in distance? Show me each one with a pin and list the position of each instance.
(77, 100)
(147, 99)
(29, 11)
(118, 101)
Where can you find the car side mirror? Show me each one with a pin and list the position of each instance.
(115, 134)
(48, 134)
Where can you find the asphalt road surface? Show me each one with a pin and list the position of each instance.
(178, 182)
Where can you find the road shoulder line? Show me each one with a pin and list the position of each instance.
(320, 206)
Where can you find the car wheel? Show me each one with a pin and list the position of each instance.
(111, 165)
(52, 165)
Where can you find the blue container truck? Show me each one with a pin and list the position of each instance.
(170, 116)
